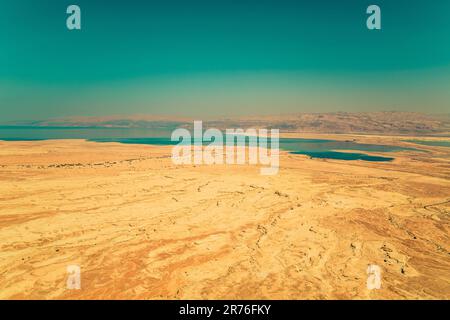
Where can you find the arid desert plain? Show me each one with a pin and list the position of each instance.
(141, 227)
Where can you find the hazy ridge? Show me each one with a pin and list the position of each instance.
(338, 122)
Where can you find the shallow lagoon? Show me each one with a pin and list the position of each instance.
(435, 143)
(342, 155)
(326, 149)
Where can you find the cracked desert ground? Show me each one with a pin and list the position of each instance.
(141, 227)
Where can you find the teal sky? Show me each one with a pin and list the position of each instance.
(216, 58)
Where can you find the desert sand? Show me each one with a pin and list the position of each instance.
(141, 227)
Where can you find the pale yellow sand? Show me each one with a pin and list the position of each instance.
(143, 228)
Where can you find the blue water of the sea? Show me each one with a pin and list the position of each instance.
(315, 148)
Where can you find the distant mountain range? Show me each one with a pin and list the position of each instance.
(338, 122)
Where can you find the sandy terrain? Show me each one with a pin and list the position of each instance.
(143, 228)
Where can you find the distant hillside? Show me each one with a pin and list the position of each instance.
(339, 122)
(373, 122)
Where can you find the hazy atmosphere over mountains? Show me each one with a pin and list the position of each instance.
(339, 122)
(217, 58)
